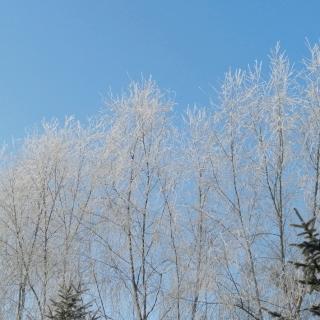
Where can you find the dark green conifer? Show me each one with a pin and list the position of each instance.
(310, 265)
(70, 305)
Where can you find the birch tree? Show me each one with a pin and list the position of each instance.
(130, 213)
(167, 219)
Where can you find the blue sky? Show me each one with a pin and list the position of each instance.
(60, 57)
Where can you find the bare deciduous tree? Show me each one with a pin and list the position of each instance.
(164, 221)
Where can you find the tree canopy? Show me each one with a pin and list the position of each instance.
(164, 218)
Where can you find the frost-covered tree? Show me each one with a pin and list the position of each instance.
(130, 221)
(45, 195)
(166, 217)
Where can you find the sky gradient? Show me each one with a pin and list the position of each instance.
(61, 57)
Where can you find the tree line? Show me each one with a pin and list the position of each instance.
(166, 219)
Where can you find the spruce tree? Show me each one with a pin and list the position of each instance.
(311, 263)
(70, 305)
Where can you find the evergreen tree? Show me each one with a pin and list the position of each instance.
(70, 305)
(311, 264)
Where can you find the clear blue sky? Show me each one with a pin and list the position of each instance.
(60, 57)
